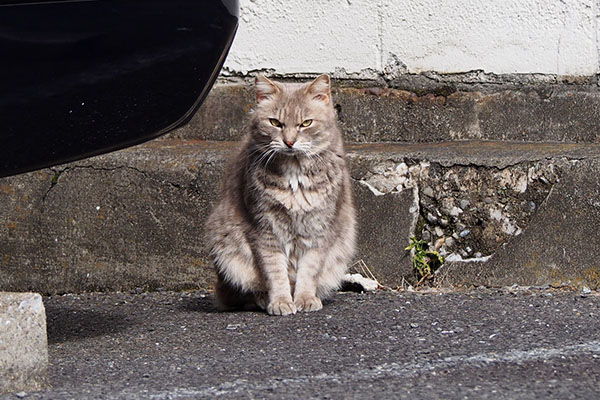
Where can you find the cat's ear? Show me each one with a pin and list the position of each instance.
(265, 88)
(320, 89)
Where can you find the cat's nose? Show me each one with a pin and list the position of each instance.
(289, 143)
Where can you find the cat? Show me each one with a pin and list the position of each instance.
(283, 234)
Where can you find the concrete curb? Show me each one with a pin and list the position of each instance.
(23, 343)
(134, 219)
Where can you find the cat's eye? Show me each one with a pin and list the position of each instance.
(306, 123)
(275, 122)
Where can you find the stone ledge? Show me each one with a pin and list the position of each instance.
(561, 113)
(134, 218)
(23, 343)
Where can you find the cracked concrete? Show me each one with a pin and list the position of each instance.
(109, 223)
(468, 211)
(134, 219)
(475, 200)
(560, 241)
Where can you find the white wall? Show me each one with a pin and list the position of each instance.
(499, 36)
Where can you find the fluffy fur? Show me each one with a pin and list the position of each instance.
(283, 233)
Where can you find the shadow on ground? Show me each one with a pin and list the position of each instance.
(203, 304)
(67, 324)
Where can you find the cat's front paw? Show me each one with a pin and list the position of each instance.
(307, 302)
(281, 306)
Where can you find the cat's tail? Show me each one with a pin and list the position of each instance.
(231, 298)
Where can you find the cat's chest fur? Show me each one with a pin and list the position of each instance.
(297, 203)
(296, 180)
(299, 191)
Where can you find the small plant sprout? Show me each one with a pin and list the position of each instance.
(425, 261)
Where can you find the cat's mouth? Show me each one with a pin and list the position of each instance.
(290, 151)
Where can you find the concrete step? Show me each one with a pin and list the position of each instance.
(501, 213)
(425, 112)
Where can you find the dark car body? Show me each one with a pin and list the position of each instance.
(84, 77)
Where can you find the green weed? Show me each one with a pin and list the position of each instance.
(425, 261)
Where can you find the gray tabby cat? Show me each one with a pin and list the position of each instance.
(283, 234)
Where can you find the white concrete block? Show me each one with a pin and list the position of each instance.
(292, 36)
(512, 36)
(23, 343)
(362, 36)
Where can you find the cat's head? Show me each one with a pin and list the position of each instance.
(294, 119)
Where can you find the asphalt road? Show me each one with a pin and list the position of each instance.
(497, 344)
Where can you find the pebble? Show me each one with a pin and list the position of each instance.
(21, 395)
(328, 336)
(402, 169)
(455, 211)
(426, 236)
(431, 218)
(464, 204)
(465, 233)
(586, 290)
(428, 191)
(439, 243)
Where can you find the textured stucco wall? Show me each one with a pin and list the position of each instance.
(378, 36)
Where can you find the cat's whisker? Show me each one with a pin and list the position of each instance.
(274, 149)
(270, 158)
(267, 154)
(257, 149)
(311, 154)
